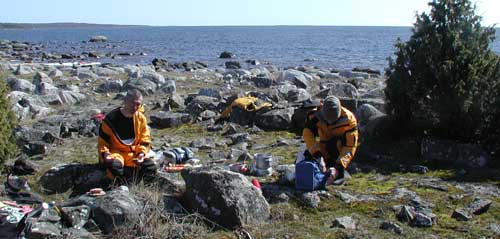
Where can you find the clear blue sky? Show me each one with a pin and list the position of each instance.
(228, 12)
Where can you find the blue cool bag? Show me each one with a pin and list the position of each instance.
(308, 176)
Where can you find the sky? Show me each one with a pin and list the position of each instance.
(228, 12)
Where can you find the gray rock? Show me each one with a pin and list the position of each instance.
(224, 197)
(20, 85)
(278, 119)
(366, 113)
(176, 102)
(423, 220)
(461, 215)
(201, 103)
(211, 92)
(43, 230)
(338, 89)
(310, 199)
(23, 70)
(203, 143)
(77, 177)
(297, 95)
(347, 198)
(44, 88)
(479, 206)
(240, 138)
(163, 119)
(70, 97)
(447, 151)
(118, 208)
(345, 222)
(55, 74)
(226, 55)
(41, 77)
(76, 216)
(393, 227)
(110, 86)
(146, 87)
(262, 81)
(154, 77)
(106, 72)
(298, 78)
(85, 73)
(168, 87)
(405, 214)
(98, 39)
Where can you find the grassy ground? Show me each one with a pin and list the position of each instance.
(293, 219)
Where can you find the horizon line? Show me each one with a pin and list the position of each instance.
(242, 25)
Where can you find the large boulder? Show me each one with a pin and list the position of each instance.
(201, 103)
(168, 119)
(146, 87)
(110, 86)
(298, 78)
(447, 151)
(76, 177)
(20, 85)
(278, 119)
(118, 208)
(339, 89)
(70, 97)
(224, 197)
(23, 70)
(168, 87)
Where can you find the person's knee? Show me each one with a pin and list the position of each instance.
(115, 167)
(149, 167)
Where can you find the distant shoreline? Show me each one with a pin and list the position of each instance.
(4, 26)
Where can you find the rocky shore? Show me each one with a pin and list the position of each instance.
(415, 188)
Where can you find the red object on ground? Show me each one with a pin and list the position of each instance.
(172, 169)
(98, 117)
(256, 183)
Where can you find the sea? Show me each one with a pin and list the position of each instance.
(336, 47)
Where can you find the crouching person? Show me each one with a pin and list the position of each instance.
(336, 128)
(124, 141)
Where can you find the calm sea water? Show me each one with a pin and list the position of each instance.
(328, 46)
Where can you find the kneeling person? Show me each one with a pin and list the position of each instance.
(124, 140)
(336, 128)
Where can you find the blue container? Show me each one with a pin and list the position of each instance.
(308, 176)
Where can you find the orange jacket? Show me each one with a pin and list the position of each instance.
(109, 142)
(344, 131)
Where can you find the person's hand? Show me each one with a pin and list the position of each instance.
(107, 158)
(140, 158)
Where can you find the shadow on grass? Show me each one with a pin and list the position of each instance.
(401, 155)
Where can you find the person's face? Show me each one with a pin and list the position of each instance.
(132, 105)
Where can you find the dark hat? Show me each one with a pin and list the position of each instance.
(311, 103)
(331, 108)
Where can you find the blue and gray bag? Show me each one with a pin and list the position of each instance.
(308, 176)
(179, 155)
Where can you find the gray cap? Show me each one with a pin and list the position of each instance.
(331, 108)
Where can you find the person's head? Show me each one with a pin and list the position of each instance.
(331, 108)
(132, 101)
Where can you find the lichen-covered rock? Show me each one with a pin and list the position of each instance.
(224, 197)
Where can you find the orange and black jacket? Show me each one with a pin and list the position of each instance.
(110, 142)
(341, 134)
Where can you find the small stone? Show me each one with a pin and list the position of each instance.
(479, 206)
(422, 220)
(405, 214)
(390, 226)
(461, 215)
(345, 222)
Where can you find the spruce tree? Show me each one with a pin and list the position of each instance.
(445, 79)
